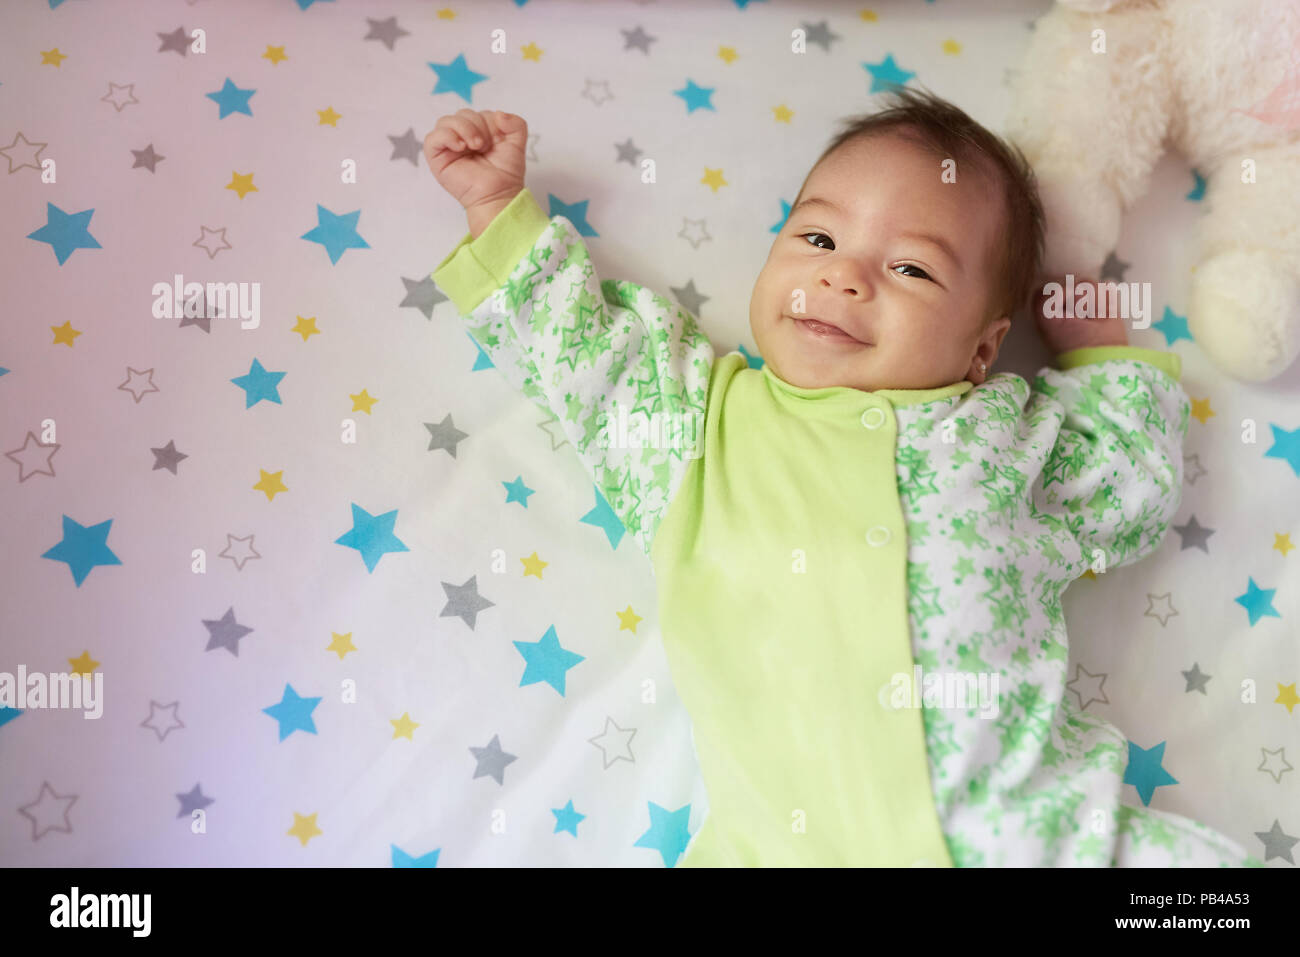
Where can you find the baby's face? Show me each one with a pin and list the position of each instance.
(913, 308)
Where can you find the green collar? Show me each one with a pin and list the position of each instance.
(843, 397)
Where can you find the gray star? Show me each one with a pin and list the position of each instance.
(423, 294)
(119, 100)
(638, 38)
(1195, 679)
(1193, 535)
(195, 800)
(1163, 614)
(465, 601)
(614, 737)
(547, 424)
(31, 159)
(176, 40)
(386, 30)
(167, 457)
(48, 808)
(1192, 468)
(445, 435)
(689, 297)
(1277, 843)
(1094, 689)
(491, 760)
(592, 91)
(1114, 267)
(820, 34)
(626, 151)
(225, 632)
(694, 232)
(1264, 765)
(406, 146)
(147, 158)
(160, 729)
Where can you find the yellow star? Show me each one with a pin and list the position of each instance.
(533, 565)
(85, 665)
(64, 334)
(1286, 695)
(52, 56)
(270, 484)
(629, 619)
(241, 184)
(1201, 409)
(1088, 574)
(951, 47)
(403, 727)
(328, 115)
(713, 179)
(362, 401)
(306, 327)
(304, 827)
(868, 15)
(532, 52)
(1282, 542)
(341, 644)
(274, 54)
(446, 14)
(783, 113)
(727, 54)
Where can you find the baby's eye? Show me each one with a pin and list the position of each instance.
(823, 235)
(924, 274)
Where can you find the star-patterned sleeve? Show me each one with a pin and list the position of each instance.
(625, 370)
(1114, 472)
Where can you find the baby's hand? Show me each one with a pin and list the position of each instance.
(478, 157)
(1063, 333)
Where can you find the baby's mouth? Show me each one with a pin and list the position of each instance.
(824, 331)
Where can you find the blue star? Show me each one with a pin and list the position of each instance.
(576, 213)
(566, 819)
(755, 362)
(1144, 771)
(293, 712)
(546, 660)
(7, 714)
(372, 535)
(886, 74)
(785, 214)
(336, 233)
(1257, 601)
(668, 833)
(602, 516)
(231, 99)
(1198, 191)
(304, 4)
(1286, 445)
(83, 547)
(1173, 327)
(696, 97)
(744, 3)
(517, 491)
(482, 361)
(3, 371)
(456, 77)
(259, 384)
(402, 859)
(66, 232)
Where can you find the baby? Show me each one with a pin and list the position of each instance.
(860, 556)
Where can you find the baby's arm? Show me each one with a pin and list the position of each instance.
(583, 348)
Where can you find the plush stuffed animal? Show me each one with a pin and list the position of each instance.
(1107, 85)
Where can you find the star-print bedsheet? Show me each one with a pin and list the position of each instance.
(333, 592)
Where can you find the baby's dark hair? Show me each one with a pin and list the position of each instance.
(941, 127)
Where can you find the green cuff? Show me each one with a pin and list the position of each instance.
(478, 267)
(1168, 362)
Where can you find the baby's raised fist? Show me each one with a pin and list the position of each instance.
(478, 156)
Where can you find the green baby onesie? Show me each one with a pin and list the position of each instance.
(818, 552)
